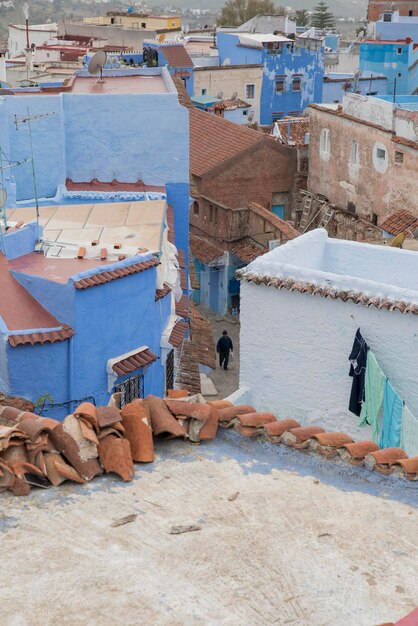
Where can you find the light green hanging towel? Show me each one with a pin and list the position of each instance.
(409, 432)
(374, 393)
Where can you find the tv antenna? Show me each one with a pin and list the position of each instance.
(27, 120)
(97, 63)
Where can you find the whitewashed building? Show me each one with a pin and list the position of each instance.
(301, 305)
(39, 34)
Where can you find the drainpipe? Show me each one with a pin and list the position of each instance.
(70, 367)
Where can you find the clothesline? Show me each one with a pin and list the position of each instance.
(372, 389)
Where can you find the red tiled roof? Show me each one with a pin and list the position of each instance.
(50, 336)
(194, 281)
(178, 333)
(181, 256)
(184, 98)
(285, 228)
(105, 277)
(293, 130)
(214, 140)
(230, 105)
(182, 307)
(399, 222)
(170, 224)
(356, 297)
(176, 55)
(134, 362)
(203, 249)
(202, 337)
(188, 376)
(20, 311)
(161, 293)
(247, 250)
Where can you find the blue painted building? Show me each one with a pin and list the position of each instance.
(394, 59)
(89, 289)
(337, 84)
(292, 71)
(394, 27)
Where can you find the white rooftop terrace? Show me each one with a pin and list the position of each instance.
(315, 258)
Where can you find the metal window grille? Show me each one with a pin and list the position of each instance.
(169, 371)
(131, 389)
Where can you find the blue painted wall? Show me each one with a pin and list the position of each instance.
(332, 41)
(238, 116)
(163, 62)
(333, 89)
(391, 60)
(293, 62)
(394, 31)
(74, 369)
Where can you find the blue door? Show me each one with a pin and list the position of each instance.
(214, 288)
(278, 209)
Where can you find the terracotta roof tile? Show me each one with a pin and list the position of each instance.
(399, 222)
(50, 336)
(293, 130)
(247, 250)
(202, 337)
(275, 430)
(409, 467)
(170, 223)
(204, 250)
(214, 140)
(162, 421)
(230, 105)
(115, 456)
(137, 423)
(178, 333)
(188, 376)
(284, 227)
(161, 293)
(176, 55)
(194, 281)
(107, 276)
(184, 98)
(135, 361)
(182, 307)
(357, 451)
(230, 413)
(328, 292)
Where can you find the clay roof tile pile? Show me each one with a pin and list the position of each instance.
(399, 222)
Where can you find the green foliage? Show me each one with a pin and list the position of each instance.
(46, 397)
(301, 17)
(322, 18)
(236, 12)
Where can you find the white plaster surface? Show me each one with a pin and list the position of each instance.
(368, 109)
(274, 548)
(295, 347)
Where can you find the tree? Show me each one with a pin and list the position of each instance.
(301, 17)
(236, 12)
(322, 18)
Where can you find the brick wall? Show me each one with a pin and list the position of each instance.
(363, 189)
(377, 7)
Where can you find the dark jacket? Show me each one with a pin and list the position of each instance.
(224, 344)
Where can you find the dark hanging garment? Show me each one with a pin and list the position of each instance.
(358, 358)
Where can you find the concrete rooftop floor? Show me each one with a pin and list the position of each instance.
(305, 542)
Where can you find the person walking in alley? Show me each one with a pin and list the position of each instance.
(223, 348)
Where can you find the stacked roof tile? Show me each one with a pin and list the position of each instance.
(202, 337)
(142, 358)
(188, 375)
(182, 307)
(178, 333)
(399, 222)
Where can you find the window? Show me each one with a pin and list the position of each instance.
(143, 25)
(324, 142)
(131, 389)
(380, 158)
(204, 92)
(195, 208)
(296, 84)
(399, 51)
(354, 156)
(399, 75)
(277, 115)
(381, 154)
(173, 23)
(279, 85)
(374, 219)
(398, 157)
(169, 371)
(245, 112)
(410, 13)
(371, 93)
(249, 92)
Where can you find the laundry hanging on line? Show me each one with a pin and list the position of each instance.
(409, 432)
(392, 418)
(358, 359)
(374, 390)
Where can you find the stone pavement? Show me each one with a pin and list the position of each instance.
(226, 382)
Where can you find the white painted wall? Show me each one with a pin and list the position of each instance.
(368, 109)
(294, 347)
(39, 34)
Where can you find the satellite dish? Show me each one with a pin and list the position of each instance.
(220, 95)
(97, 63)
